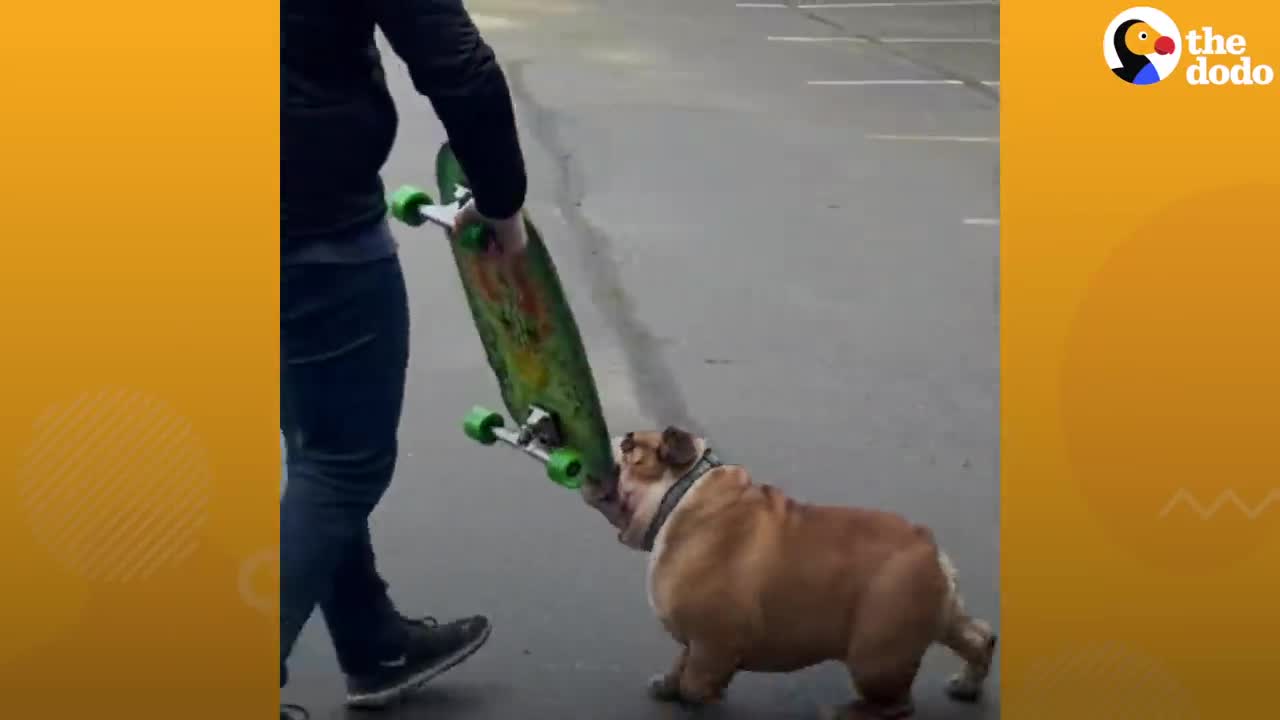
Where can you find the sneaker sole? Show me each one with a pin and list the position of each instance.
(385, 697)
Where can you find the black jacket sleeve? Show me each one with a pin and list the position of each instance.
(452, 66)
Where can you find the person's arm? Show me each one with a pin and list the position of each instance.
(457, 71)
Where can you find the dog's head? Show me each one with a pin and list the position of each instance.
(649, 463)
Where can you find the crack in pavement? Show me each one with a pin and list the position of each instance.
(969, 82)
(657, 394)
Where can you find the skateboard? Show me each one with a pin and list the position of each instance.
(529, 337)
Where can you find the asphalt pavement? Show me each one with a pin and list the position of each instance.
(777, 225)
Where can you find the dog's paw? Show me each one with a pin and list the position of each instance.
(663, 688)
(962, 688)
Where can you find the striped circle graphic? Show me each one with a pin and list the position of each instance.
(115, 485)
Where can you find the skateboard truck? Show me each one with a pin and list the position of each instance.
(413, 206)
(539, 437)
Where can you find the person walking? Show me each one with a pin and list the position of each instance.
(344, 317)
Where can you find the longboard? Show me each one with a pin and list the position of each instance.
(529, 336)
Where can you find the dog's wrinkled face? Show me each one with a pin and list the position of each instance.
(649, 464)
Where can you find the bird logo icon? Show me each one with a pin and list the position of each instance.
(1142, 46)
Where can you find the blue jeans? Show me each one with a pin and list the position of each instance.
(344, 344)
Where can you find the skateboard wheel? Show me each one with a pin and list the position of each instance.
(480, 423)
(405, 203)
(564, 467)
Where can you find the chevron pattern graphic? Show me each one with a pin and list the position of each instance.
(1185, 498)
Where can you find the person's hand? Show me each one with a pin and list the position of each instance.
(509, 238)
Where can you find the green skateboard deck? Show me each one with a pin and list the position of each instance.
(530, 340)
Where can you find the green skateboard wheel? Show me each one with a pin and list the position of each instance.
(564, 467)
(480, 424)
(405, 202)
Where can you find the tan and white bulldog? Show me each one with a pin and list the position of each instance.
(747, 579)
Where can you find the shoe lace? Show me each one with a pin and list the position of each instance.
(289, 711)
(427, 622)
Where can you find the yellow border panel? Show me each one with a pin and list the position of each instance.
(139, 452)
(1141, 365)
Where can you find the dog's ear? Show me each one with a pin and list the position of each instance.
(677, 448)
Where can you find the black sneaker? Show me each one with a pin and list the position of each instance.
(432, 649)
(293, 712)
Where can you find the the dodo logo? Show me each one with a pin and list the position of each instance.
(1142, 46)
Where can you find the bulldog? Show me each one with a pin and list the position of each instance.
(746, 579)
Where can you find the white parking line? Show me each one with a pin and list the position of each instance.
(891, 83)
(884, 82)
(856, 5)
(941, 3)
(935, 138)
(885, 40)
(985, 222)
(960, 40)
(937, 3)
(865, 83)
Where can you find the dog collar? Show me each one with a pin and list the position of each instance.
(675, 494)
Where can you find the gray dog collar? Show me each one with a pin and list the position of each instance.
(675, 494)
